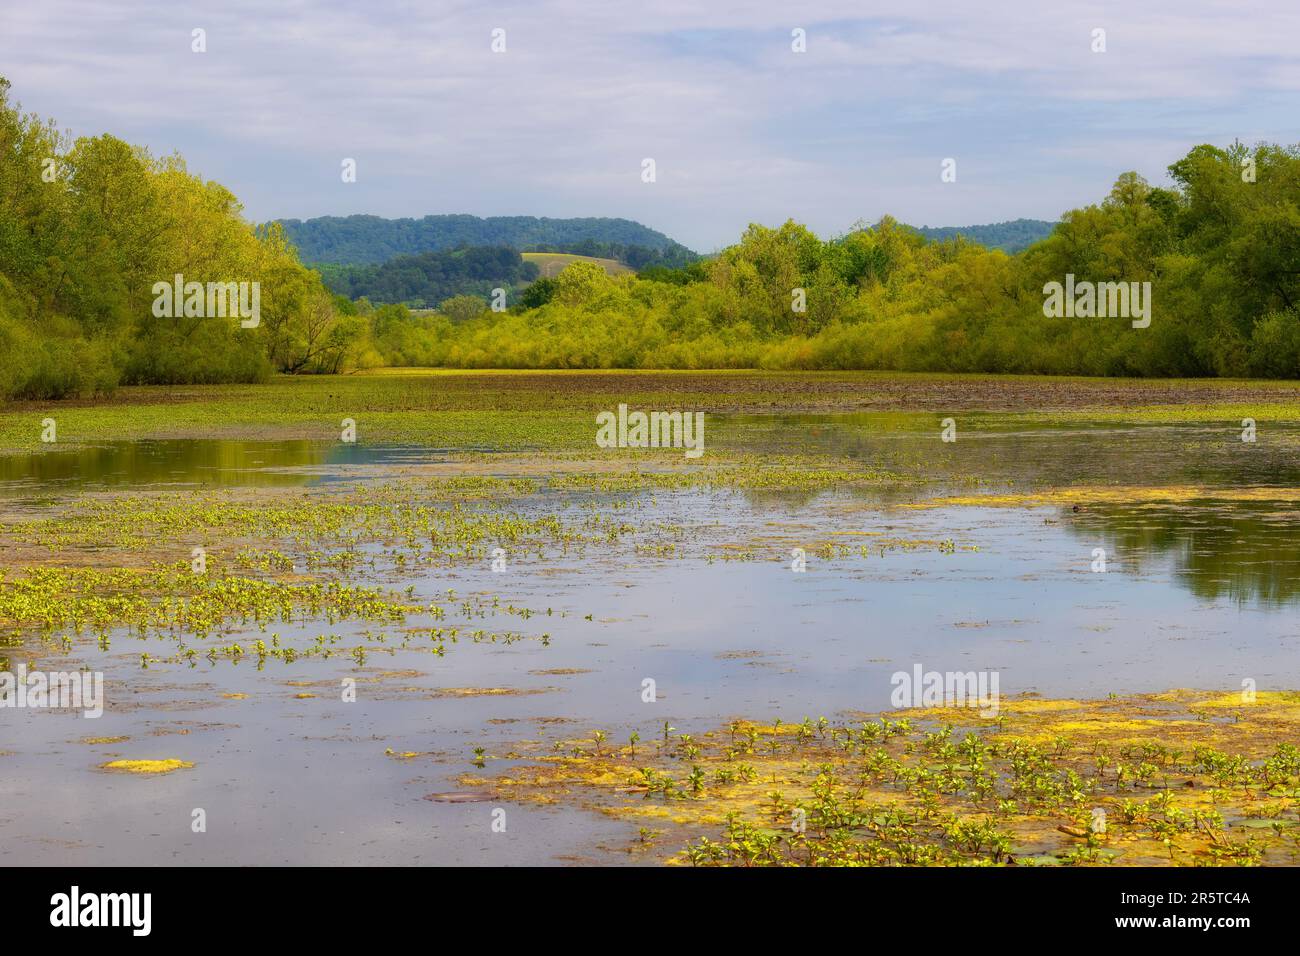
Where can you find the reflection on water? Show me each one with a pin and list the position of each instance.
(1248, 552)
(209, 462)
(1074, 455)
(1244, 551)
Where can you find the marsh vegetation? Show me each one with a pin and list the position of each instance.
(497, 587)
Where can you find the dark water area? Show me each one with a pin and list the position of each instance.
(232, 463)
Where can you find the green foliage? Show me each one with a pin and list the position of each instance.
(462, 308)
(1221, 253)
(1012, 236)
(538, 294)
(695, 272)
(83, 243)
(1275, 345)
(400, 339)
(431, 277)
(359, 240)
(87, 228)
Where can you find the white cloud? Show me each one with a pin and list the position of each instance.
(741, 127)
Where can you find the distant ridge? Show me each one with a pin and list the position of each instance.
(366, 240)
(1011, 236)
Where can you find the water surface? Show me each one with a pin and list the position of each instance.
(1200, 593)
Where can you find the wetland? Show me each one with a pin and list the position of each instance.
(349, 652)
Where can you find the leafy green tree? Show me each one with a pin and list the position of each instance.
(538, 293)
(581, 283)
(462, 308)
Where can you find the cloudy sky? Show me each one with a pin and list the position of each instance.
(740, 126)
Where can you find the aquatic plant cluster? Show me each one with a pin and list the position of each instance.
(60, 605)
(286, 555)
(279, 558)
(1179, 778)
(397, 517)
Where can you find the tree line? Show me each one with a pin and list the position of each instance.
(90, 228)
(1219, 247)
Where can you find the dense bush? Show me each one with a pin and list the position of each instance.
(87, 228)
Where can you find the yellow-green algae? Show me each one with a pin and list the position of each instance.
(1084, 496)
(554, 409)
(1180, 778)
(148, 766)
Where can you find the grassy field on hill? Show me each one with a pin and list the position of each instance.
(552, 264)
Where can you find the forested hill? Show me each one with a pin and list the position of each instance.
(365, 240)
(1011, 237)
(425, 280)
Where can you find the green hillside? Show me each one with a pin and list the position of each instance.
(1011, 236)
(427, 279)
(368, 240)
